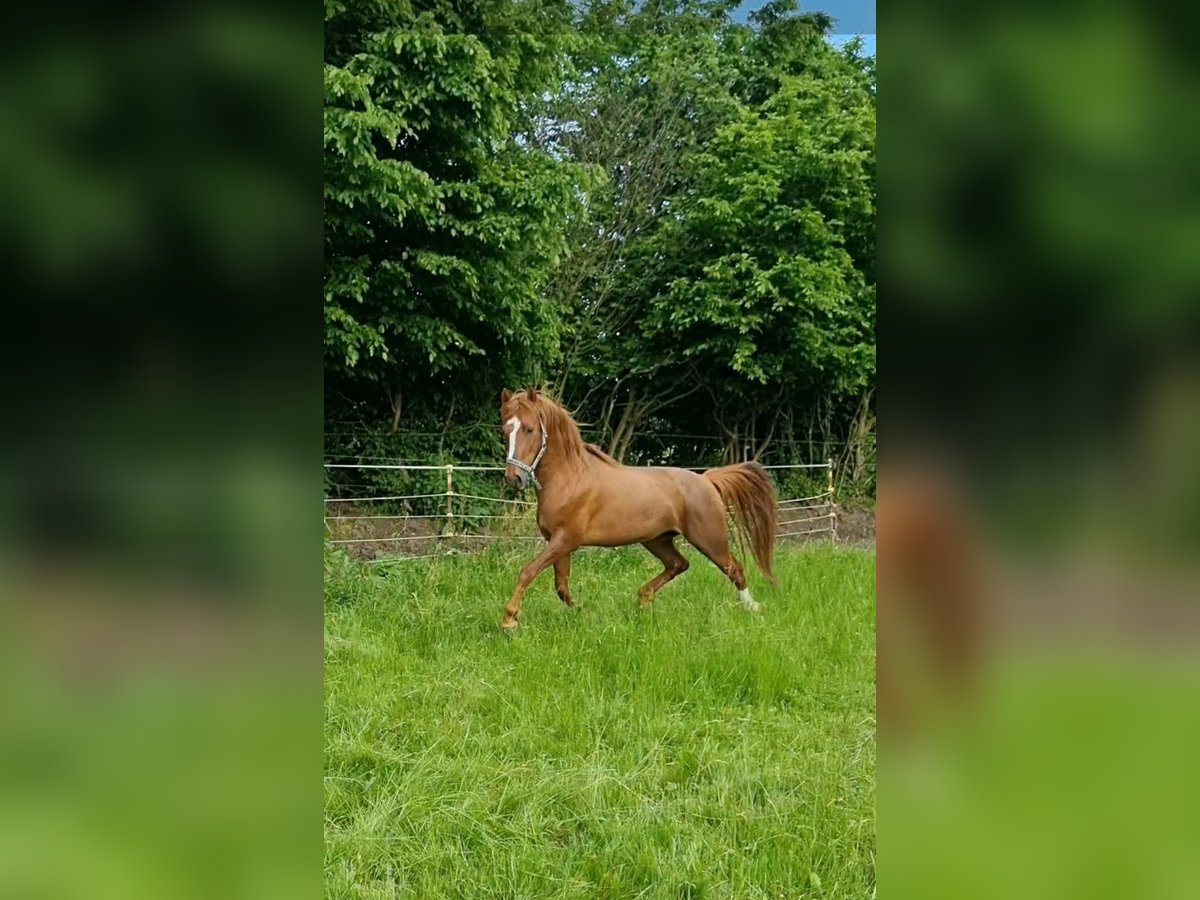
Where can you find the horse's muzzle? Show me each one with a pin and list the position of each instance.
(514, 477)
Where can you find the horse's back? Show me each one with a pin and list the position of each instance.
(690, 493)
(631, 504)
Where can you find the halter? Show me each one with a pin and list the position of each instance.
(528, 468)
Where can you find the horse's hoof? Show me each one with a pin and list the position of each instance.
(508, 628)
(752, 607)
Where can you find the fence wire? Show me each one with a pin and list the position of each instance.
(453, 530)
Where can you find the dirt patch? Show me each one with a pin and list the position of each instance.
(371, 538)
(856, 525)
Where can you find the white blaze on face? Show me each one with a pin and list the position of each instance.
(747, 600)
(513, 425)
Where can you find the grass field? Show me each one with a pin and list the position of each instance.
(691, 750)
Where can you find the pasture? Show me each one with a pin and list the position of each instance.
(688, 750)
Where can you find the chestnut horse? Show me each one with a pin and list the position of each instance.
(586, 498)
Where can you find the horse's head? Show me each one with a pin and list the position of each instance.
(524, 432)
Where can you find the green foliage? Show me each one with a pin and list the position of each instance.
(439, 224)
(748, 264)
(666, 216)
(767, 259)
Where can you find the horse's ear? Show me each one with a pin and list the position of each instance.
(532, 393)
(505, 395)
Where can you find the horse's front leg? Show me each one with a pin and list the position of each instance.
(562, 579)
(556, 549)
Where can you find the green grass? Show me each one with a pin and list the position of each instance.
(691, 750)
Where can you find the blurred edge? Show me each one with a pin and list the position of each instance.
(164, 389)
(160, 581)
(1039, 500)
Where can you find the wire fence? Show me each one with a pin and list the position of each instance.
(394, 527)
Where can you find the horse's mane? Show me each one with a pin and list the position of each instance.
(561, 429)
(562, 432)
(600, 454)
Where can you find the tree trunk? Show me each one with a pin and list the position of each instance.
(860, 429)
(636, 419)
(729, 453)
(446, 427)
(789, 432)
(761, 448)
(397, 401)
(606, 414)
(626, 424)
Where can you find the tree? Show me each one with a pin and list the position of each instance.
(440, 225)
(732, 246)
(651, 86)
(664, 214)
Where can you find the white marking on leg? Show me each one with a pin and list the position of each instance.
(513, 424)
(748, 601)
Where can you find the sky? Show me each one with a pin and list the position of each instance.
(852, 17)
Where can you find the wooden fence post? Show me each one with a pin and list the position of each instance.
(832, 505)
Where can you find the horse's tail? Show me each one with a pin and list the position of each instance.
(750, 496)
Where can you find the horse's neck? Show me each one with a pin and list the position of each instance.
(561, 472)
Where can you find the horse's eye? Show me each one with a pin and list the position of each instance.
(529, 429)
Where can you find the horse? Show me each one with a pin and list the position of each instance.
(585, 498)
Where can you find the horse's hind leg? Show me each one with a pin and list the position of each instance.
(674, 563)
(562, 575)
(713, 542)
